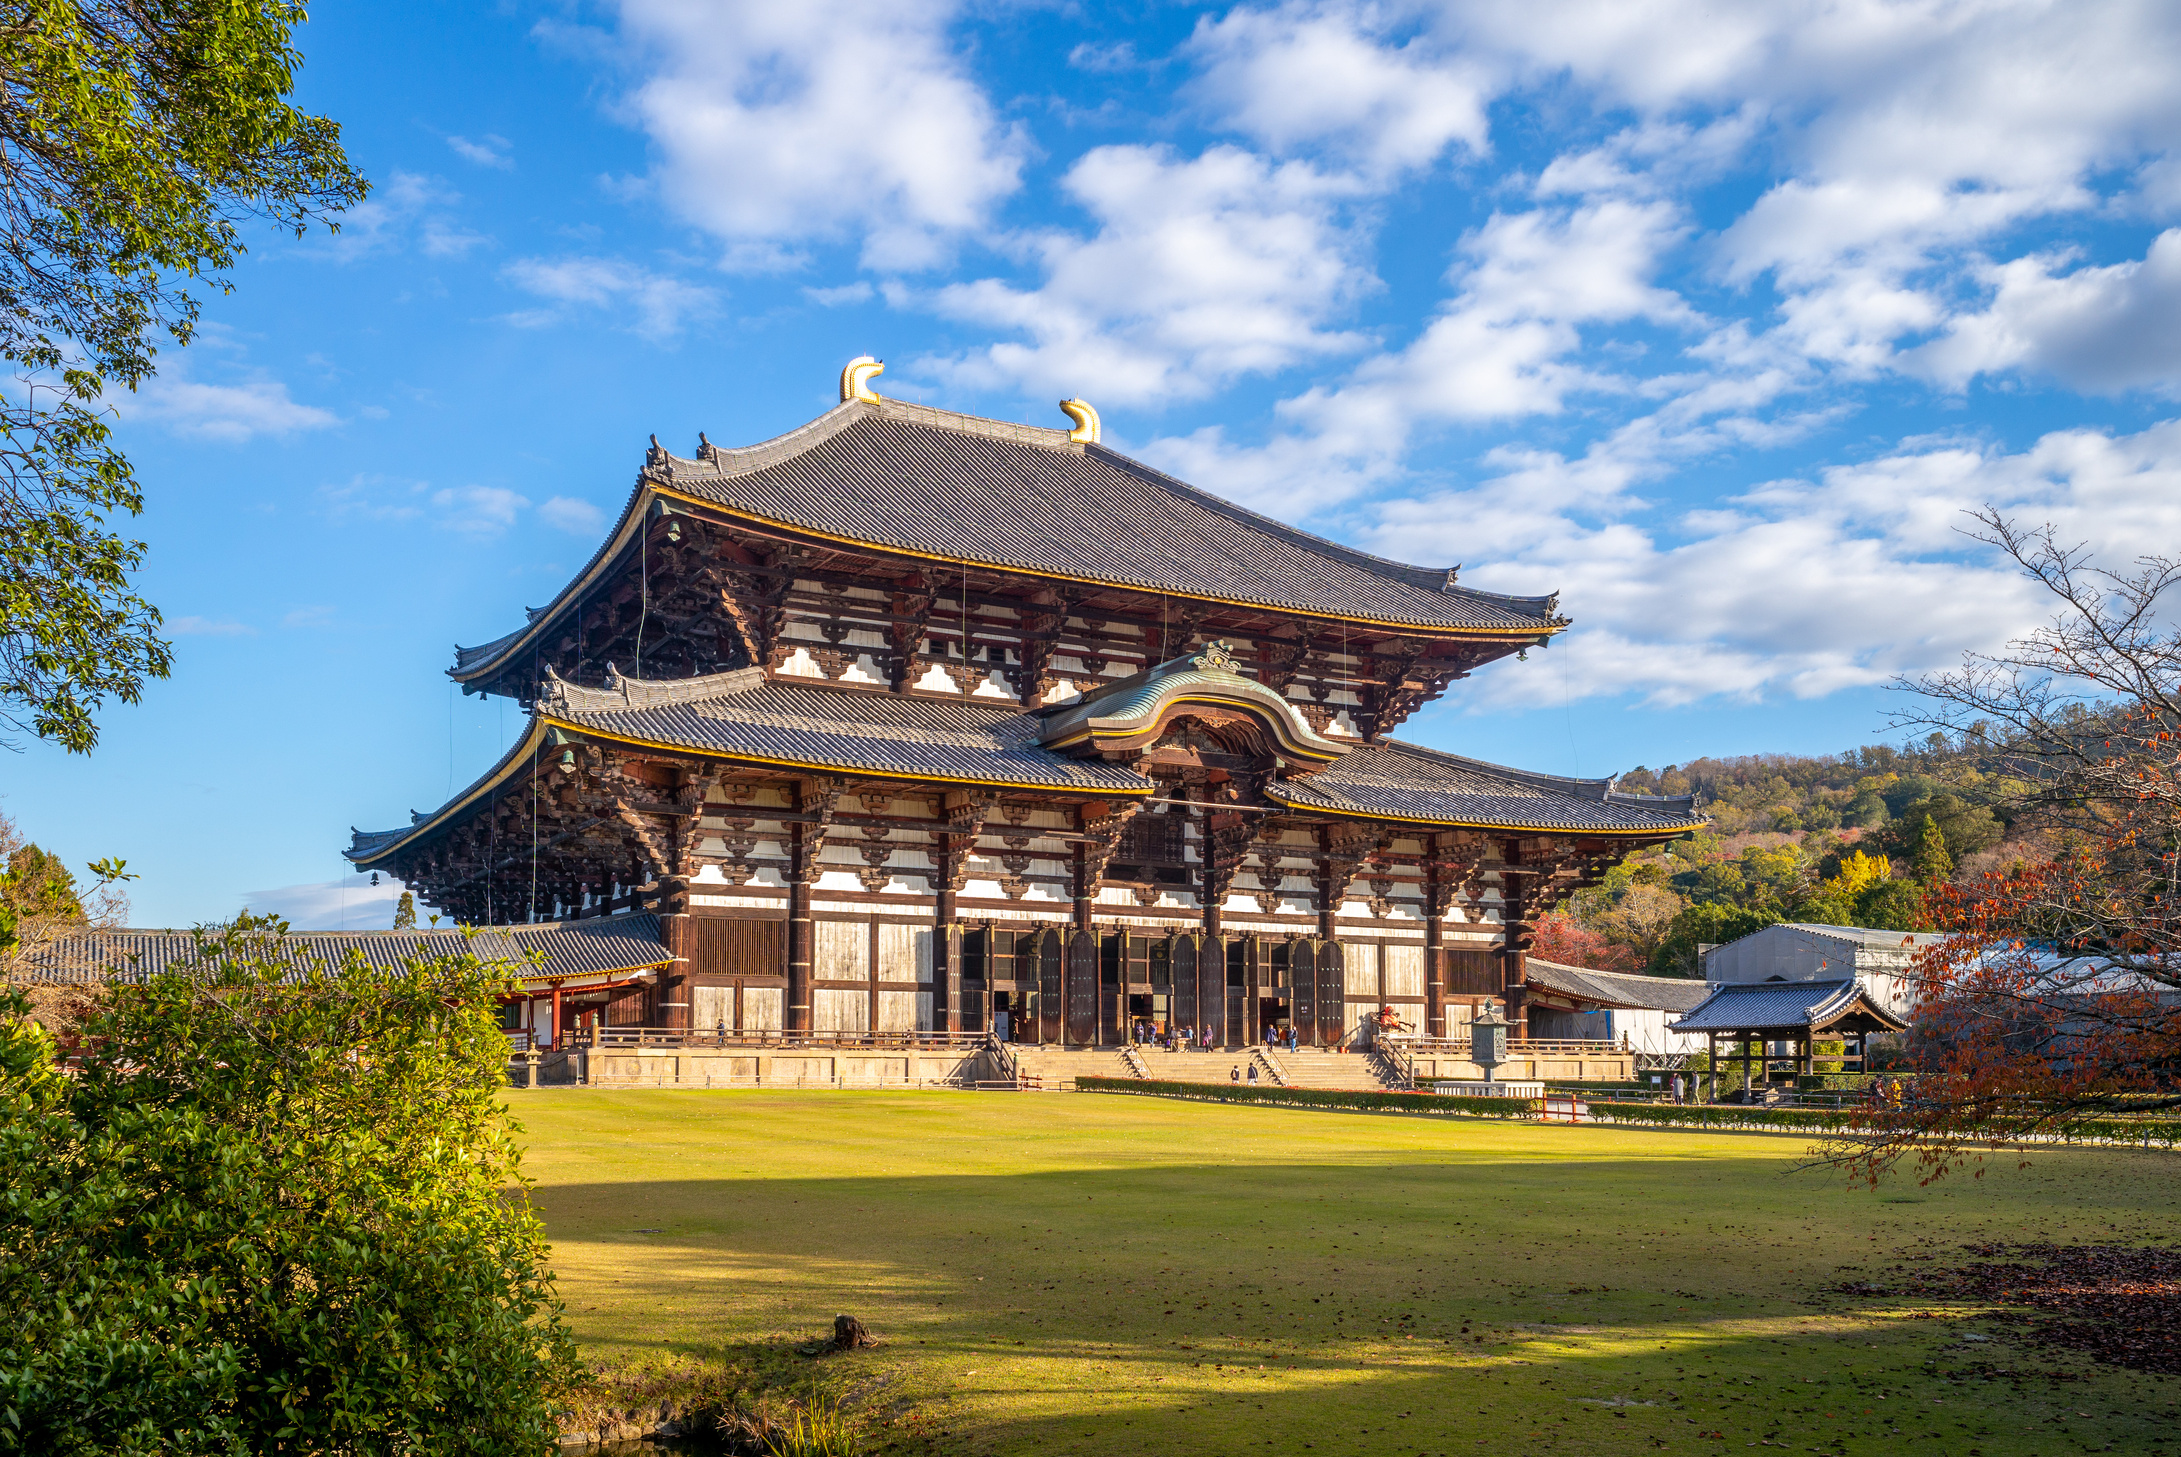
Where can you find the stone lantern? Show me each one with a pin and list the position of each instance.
(1488, 1039)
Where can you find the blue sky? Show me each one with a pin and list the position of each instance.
(1714, 318)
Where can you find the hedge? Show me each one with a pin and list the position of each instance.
(1354, 1101)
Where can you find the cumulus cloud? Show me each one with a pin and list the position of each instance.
(776, 124)
(478, 510)
(566, 513)
(1306, 77)
(1201, 270)
(2112, 328)
(1800, 587)
(231, 413)
(655, 305)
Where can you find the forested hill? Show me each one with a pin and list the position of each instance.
(1851, 839)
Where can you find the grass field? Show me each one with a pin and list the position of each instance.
(1077, 1273)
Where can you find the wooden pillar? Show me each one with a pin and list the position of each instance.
(1748, 1081)
(560, 1038)
(678, 935)
(1514, 912)
(1434, 943)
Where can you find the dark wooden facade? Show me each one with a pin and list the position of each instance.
(1123, 754)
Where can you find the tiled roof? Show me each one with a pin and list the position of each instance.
(1768, 1006)
(1406, 781)
(1617, 989)
(566, 949)
(741, 715)
(960, 488)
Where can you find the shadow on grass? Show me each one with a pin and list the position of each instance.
(1364, 1305)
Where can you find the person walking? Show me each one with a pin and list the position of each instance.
(1253, 1073)
(1234, 1075)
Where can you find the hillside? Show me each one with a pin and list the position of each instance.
(1850, 839)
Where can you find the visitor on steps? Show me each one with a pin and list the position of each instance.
(1234, 1075)
(1253, 1072)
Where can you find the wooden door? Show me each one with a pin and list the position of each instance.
(1332, 992)
(1182, 971)
(1302, 976)
(1050, 1001)
(1083, 959)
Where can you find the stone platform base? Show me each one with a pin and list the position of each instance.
(761, 1067)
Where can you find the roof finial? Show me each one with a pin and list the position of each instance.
(1086, 421)
(856, 379)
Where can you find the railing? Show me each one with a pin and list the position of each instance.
(638, 1038)
(1524, 1047)
(1272, 1065)
(1135, 1062)
(1400, 1062)
(1004, 1059)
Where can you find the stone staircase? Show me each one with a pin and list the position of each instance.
(1051, 1067)
(1346, 1071)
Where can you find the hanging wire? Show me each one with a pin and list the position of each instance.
(534, 826)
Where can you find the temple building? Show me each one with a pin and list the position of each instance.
(909, 721)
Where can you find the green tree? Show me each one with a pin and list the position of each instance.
(1928, 856)
(405, 912)
(1703, 925)
(271, 1212)
(135, 139)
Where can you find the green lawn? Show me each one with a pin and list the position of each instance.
(1078, 1273)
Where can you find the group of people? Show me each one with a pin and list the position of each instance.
(1174, 1039)
(1278, 1037)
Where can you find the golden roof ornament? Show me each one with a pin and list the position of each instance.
(856, 379)
(1086, 421)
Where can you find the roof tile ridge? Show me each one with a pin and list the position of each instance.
(1430, 579)
(715, 462)
(1583, 788)
(931, 417)
(621, 693)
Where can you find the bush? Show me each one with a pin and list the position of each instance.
(270, 1212)
(1354, 1101)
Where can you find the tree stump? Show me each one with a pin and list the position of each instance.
(849, 1334)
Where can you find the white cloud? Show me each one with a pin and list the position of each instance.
(1504, 347)
(232, 413)
(1308, 77)
(478, 510)
(209, 627)
(2111, 328)
(351, 903)
(487, 151)
(658, 304)
(406, 209)
(1797, 588)
(566, 513)
(1202, 270)
(778, 123)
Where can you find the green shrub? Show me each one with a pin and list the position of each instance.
(1357, 1101)
(274, 1209)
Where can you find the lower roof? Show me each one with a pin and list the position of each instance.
(1616, 989)
(564, 949)
(747, 717)
(1787, 1006)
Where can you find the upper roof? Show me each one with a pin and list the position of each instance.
(564, 949)
(958, 489)
(1783, 1006)
(1616, 989)
(744, 717)
(1393, 780)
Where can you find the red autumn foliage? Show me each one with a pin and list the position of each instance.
(2056, 1000)
(1561, 938)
